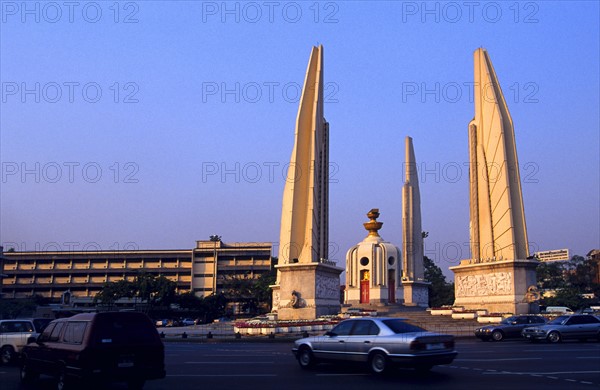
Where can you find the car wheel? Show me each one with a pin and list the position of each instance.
(553, 337)
(26, 374)
(7, 354)
(378, 363)
(497, 335)
(306, 359)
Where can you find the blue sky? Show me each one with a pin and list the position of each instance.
(152, 124)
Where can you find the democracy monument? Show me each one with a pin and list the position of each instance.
(307, 285)
(499, 275)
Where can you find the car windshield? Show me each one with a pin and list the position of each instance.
(400, 326)
(508, 321)
(559, 320)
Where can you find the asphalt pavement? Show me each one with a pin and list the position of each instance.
(508, 365)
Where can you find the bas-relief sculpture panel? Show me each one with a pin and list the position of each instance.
(497, 283)
(327, 287)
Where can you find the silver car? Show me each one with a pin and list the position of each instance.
(576, 326)
(379, 342)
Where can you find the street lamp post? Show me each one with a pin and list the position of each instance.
(215, 238)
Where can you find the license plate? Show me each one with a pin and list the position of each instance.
(435, 346)
(125, 362)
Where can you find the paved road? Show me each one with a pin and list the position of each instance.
(507, 365)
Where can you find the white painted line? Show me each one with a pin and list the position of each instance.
(570, 380)
(545, 373)
(562, 350)
(588, 357)
(242, 356)
(229, 362)
(495, 360)
(586, 383)
(224, 375)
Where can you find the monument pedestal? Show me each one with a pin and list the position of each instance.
(307, 291)
(416, 293)
(498, 286)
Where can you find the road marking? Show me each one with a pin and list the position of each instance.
(561, 350)
(217, 375)
(246, 356)
(588, 357)
(229, 362)
(547, 373)
(495, 360)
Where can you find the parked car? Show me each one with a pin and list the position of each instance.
(378, 342)
(14, 335)
(160, 323)
(575, 326)
(558, 310)
(92, 347)
(188, 322)
(510, 327)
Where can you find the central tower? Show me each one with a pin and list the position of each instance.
(308, 284)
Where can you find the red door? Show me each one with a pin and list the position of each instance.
(364, 291)
(391, 287)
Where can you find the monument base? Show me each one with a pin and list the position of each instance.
(416, 293)
(306, 291)
(498, 286)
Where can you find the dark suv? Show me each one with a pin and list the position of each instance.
(111, 347)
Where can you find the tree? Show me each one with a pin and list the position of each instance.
(189, 301)
(214, 306)
(569, 280)
(550, 275)
(113, 291)
(440, 292)
(262, 288)
(15, 308)
(150, 289)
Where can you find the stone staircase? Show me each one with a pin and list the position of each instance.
(420, 317)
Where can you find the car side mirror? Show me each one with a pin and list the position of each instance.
(513, 322)
(32, 340)
(330, 334)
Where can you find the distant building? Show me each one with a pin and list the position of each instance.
(594, 258)
(554, 255)
(84, 273)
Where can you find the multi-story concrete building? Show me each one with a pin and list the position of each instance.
(594, 258)
(83, 273)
